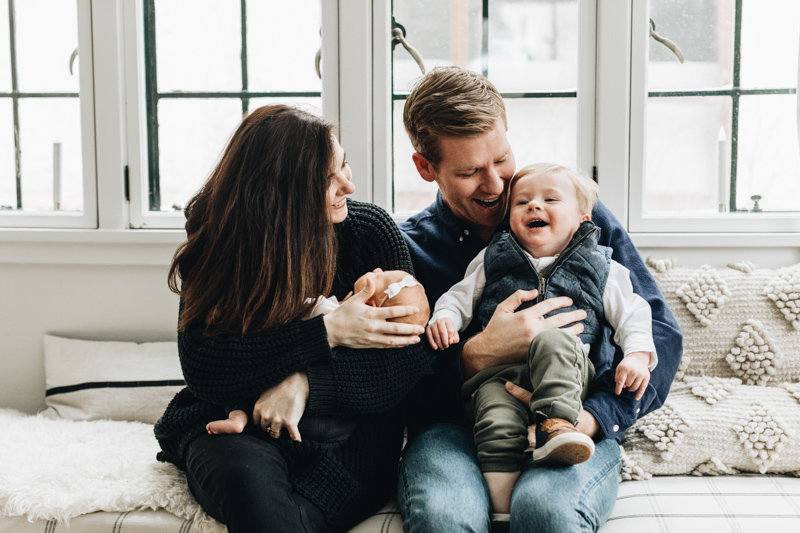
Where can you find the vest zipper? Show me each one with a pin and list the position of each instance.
(542, 277)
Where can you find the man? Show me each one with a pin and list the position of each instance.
(457, 124)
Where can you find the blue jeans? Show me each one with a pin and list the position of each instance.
(441, 488)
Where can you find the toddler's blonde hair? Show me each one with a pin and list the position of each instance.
(586, 190)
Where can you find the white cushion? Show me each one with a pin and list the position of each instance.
(735, 403)
(89, 380)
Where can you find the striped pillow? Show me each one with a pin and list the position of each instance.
(90, 380)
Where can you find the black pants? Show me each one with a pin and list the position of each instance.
(242, 481)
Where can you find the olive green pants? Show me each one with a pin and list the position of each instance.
(557, 373)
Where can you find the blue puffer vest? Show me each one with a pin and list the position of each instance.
(580, 272)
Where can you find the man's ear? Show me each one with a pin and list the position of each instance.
(424, 167)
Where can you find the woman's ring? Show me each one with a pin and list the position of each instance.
(273, 432)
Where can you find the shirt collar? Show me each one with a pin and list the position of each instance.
(455, 226)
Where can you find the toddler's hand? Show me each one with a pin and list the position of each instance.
(633, 374)
(442, 333)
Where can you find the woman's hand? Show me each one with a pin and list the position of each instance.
(355, 324)
(282, 406)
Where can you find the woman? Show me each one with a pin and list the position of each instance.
(268, 233)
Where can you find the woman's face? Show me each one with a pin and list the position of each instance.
(340, 185)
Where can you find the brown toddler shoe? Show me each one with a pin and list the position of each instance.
(559, 442)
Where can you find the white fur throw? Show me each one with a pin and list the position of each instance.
(735, 403)
(59, 469)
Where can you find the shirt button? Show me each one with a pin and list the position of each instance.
(461, 238)
(615, 428)
(637, 410)
(466, 232)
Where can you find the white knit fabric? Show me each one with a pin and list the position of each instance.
(735, 403)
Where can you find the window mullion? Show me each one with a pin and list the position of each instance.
(15, 101)
(615, 119)
(109, 101)
(245, 80)
(355, 109)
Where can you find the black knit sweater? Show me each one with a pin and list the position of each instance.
(349, 481)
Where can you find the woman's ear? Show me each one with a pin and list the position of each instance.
(424, 167)
(585, 217)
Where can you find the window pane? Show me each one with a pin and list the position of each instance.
(543, 129)
(530, 47)
(192, 136)
(198, 45)
(533, 45)
(5, 50)
(768, 159)
(703, 31)
(411, 192)
(770, 37)
(444, 33)
(282, 41)
(44, 123)
(312, 105)
(683, 173)
(8, 178)
(46, 35)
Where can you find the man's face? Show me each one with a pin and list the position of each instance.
(472, 176)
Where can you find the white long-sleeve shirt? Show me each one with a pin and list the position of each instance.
(627, 312)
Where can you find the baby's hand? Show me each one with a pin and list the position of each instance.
(442, 333)
(633, 374)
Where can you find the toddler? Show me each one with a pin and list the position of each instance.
(550, 244)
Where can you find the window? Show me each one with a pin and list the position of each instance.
(206, 64)
(720, 150)
(46, 116)
(157, 87)
(531, 51)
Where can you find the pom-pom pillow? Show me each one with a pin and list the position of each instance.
(735, 403)
(90, 380)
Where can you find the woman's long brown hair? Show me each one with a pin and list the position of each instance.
(259, 240)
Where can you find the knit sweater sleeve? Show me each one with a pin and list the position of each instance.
(235, 369)
(366, 381)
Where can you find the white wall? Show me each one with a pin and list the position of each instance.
(106, 302)
(131, 301)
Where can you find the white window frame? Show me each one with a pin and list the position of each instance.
(87, 218)
(375, 165)
(355, 66)
(724, 223)
(621, 106)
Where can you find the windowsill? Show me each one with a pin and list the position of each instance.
(156, 247)
(89, 247)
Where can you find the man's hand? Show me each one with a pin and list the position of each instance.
(586, 421)
(508, 334)
(633, 374)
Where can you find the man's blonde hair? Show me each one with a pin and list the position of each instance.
(452, 102)
(586, 190)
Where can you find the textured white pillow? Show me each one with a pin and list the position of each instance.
(90, 380)
(735, 403)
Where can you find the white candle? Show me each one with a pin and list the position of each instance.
(722, 171)
(56, 176)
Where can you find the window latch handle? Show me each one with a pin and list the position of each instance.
(399, 36)
(72, 58)
(666, 42)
